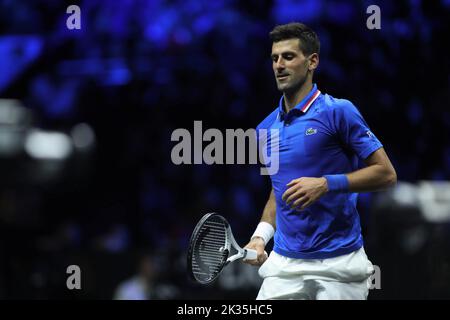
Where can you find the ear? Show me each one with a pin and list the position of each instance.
(313, 61)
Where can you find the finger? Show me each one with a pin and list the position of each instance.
(294, 181)
(252, 262)
(296, 205)
(307, 204)
(289, 192)
(262, 260)
(295, 197)
(290, 189)
(262, 257)
(304, 198)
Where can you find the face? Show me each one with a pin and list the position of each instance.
(290, 65)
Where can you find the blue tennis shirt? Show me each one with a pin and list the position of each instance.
(322, 135)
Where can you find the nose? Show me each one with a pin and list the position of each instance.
(279, 64)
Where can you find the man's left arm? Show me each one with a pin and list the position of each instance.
(378, 174)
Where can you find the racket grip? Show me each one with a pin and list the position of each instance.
(250, 254)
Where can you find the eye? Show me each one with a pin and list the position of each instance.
(288, 56)
(274, 58)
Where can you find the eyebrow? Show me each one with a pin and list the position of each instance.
(284, 52)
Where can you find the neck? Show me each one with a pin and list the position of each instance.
(291, 99)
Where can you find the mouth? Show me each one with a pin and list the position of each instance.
(282, 77)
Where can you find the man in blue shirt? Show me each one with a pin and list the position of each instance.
(318, 248)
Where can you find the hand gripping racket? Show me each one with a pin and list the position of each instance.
(210, 248)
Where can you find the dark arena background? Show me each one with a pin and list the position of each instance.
(87, 114)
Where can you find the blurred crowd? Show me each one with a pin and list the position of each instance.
(136, 71)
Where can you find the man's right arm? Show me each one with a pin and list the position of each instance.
(267, 221)
(269, 212)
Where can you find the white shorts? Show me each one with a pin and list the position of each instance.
(341, 278)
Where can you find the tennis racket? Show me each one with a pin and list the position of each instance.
(210, 248)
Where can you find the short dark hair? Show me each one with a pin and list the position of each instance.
(309, 41)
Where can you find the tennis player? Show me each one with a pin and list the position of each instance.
(318, 249)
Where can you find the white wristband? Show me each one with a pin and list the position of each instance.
(264, 230)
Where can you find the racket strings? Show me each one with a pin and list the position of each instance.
(210, 250)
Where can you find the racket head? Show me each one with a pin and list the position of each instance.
(209, 248)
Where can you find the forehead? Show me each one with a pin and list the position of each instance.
(286, 45)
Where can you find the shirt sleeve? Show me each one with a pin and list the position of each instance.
(353, 130)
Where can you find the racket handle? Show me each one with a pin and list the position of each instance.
(250, 254)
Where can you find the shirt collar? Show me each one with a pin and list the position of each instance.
(303, 105)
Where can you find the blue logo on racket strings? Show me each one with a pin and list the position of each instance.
(234, 146)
